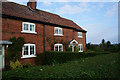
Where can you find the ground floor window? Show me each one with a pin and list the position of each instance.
(58, 47)
(80, 46)
(28, 50)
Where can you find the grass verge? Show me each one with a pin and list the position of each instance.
(101, 66)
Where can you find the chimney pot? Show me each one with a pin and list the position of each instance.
(32, 4)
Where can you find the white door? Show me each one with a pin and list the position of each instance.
(80, 46)
(2, 55)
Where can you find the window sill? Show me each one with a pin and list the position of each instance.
(58, 35)
(80, 37)
(28, 32)
(28, 56)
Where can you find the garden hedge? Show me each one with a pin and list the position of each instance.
(48, 58)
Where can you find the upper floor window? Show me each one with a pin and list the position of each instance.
(58, 47)
(28, 50)
(28, 27)
(80, 34)
(58, 31)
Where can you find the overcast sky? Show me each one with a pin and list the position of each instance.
(100, 19)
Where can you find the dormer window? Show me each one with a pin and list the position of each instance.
(80, 34)
(28, 27)
(58, 31)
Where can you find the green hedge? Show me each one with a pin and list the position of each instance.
(62, 57)
(91, 68)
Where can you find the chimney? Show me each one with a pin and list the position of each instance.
(32, 4)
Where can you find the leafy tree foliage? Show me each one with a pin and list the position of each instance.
(108, 44)
(103, 44)
(13, 51)
(88, 46)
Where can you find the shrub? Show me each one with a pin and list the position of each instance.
(13, 51)
(114, 48)
(15, 65)
(67, 48)
(28, 65)
(48, 58)
(39, 60)
(76, 49)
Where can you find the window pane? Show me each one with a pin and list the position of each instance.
(25, 50)
(31, 27)
(81, 48)
(80, 34)
(60, 31)
(60, 48)
(56, 30)
(56, 47)
(31, 50)
(26, 27)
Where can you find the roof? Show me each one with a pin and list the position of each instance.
(17, 10)
(5, 42)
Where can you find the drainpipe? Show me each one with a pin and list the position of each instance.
(44, 37)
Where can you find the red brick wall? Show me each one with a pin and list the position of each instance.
(68, 34)
(81, 40)
(12, 28)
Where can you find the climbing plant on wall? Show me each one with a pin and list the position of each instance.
(13, 51)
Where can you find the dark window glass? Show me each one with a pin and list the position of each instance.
(26, 27)
(56, 47)
(31, 27)
(31, 50)
(56, 30)
(60, 48)
(25, 50)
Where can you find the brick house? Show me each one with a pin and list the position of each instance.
(42, 31)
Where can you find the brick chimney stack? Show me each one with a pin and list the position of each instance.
(32, 4)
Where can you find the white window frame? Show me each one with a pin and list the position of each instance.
(28, 31)
(58, 31)
(28, 56)
(58, 46)
(80, 46)
(80, 34)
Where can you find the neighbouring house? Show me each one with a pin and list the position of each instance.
(42, 31)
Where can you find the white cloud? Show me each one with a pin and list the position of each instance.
(47, 10)
(112, 10)
(97, 32)
(47, 3)
(19, 1)
(67, 0)
(69, 9)
(101, 5)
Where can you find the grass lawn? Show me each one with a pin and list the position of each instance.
(101, 66)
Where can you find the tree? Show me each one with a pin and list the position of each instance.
(103, 44)
(108, 44)
(119, 46)
(88, 46)
(13, 51)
